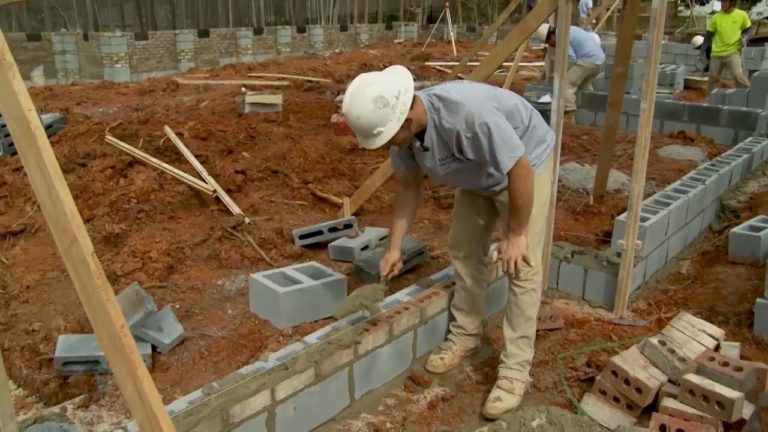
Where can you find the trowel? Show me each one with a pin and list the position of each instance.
(365, 299)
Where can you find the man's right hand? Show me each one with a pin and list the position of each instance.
(391, 263)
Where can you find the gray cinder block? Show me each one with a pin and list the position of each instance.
(367, 267)
(554, 271)
(748, 242)
(350, 249)
(721, 135)
(162, 329)
(674, 126)
(431, 334)
(693, 194)
(736, 97)
(571, 279)
(585, 117)
(600, 287)
(675, 204)
(720, 173)
(81, 354)
(706, 180)
(761, 318)
(254, 424)
(135, 303)
(315, 405)
(704, 114)
(325, 231)
(652, 230)
(739, 166)
(693, 229)
(382, 365)
(676, 244)
(656, 260)
(670, 110)
(739, 117)
(299, 293)
(709, 214)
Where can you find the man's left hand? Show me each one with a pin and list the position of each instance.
(513, 253)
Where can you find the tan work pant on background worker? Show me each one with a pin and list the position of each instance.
(733, 63)
(474, 220)
(579, 77)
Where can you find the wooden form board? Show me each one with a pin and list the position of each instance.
(522, 31)
(600, 10)
(76, 249)
(640, 161)
(557, 121)
(232, 82)
(7, 413)
(513, 69)
(296, 77)
(378, 178)
(618, 83)
(264, 98)
(605, 17)
(484, 38)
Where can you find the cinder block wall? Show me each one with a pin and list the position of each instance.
(30, 53)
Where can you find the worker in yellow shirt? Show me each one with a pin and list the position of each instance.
(728, 32)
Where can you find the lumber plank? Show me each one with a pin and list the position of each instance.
(556, 122)
(605, 17)
(7, 413)
(220, 192)
(76, 249)
(232, 82)
(599, 10)
(484, 38)
(452, 63)
(296, 77)
(522, 31)
(640, 160)
(513, 69)
(616, 96)
(378, 178)
(162, 166)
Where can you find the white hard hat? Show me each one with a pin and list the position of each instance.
(542, 31)
(377, 103)
(697, 41)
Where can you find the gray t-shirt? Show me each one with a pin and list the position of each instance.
(475, 133)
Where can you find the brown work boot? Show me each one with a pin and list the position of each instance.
(506, 395)
(446, 357)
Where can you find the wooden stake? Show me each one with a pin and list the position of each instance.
(296, 77)
(640, 161)
(598, 11)
(515, 64)
(220, 192)
(522, 31)
(68, 231)
(556, 122)
(244, 82)
(345, 206)
(162, 166)
(605, 17)
(616, 97)
(484, 38)
(7, 413)
(378, 178)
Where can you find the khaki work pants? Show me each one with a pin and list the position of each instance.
(733, 63)
(579, 77)
(474, 220)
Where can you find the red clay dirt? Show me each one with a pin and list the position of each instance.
(149, 227)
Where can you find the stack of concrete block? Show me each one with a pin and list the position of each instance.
(753, 58)
(351, 249)
(324, 232)
(296, 294)
(81, 354)
(682, 380)
(52, 123)
(748, 242)
(367, 267)
(672, 76)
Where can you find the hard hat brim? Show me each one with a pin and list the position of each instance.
(402, 78)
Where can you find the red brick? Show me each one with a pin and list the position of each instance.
(606, 391)
(402, 318)
(604, 413)
(372, 335)
(432, 301)
(667, 355)
(634, 376)
(712, 398)
(679, 410)
(663, 423)
(705, 326)
(735, 374)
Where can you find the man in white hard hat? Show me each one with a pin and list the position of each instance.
(495, 148)
(697, 42)
(728, 31)
(585, 61)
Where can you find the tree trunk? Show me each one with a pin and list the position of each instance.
(402, 10)
(47, 17)
(459, 14)
(121, 11)
(379, 12)
(89, 14)
(355, 12)
(140, 16)
(231, 16)
(77, 18)
(172, 13)
(261, 14)
(152, 15)
(366, 12)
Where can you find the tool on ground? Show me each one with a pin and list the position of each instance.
(365, 299)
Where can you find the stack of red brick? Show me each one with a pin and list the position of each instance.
(687, 377)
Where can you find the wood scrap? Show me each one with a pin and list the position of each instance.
(446, 70)
(243, 82)
(162, 166)
(247, 238)
(296, 77)
(378, 178)
(451, 63)
(326, 196)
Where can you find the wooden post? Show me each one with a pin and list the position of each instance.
(624, 45)
(556, 121)
(522, 31)
(7, 413)
(640, 161)
(605, 17)
(597, 12)
(378, 178)
(515, 65)
(68, 231)
(484, 38)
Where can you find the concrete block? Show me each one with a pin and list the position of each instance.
(709, 214)
(712, 398)
(117, 74)
(315, 405)
(135, 303)
(739, 117)
(600, 287)
(729, 372)
(609, 393)
(736, 97)
(722, 171)
(721, 135)
(292, 295)
(554, 272)
(286, 353)
(676, 243)
(717, 96)
(255, 424)
(367, 267)
(571, 279)
(667, 58)
(431, 334)
(247, 408)
(382, 365)
(673, 203)
(661, 422)
(670, 110)
(294, 383)
(760, 326)
(669, 357)
(325, 231)
(605, 413)
(80, 354)
(740, 167)
(704, 114)
(652, 230)
(748, 242)
(496, 296)
(706, 180)
(674, 126)
(634, 376)
(730, 349)
(348, 249)
(585, 117)
(162, 329)
(656, 260)
(687, 324)
(672, 407)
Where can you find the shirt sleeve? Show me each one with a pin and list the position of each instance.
(498, 144)
(747, 22)
(711, 24)
(403, 161)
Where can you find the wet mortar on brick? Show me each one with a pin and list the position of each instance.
(150, 228)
